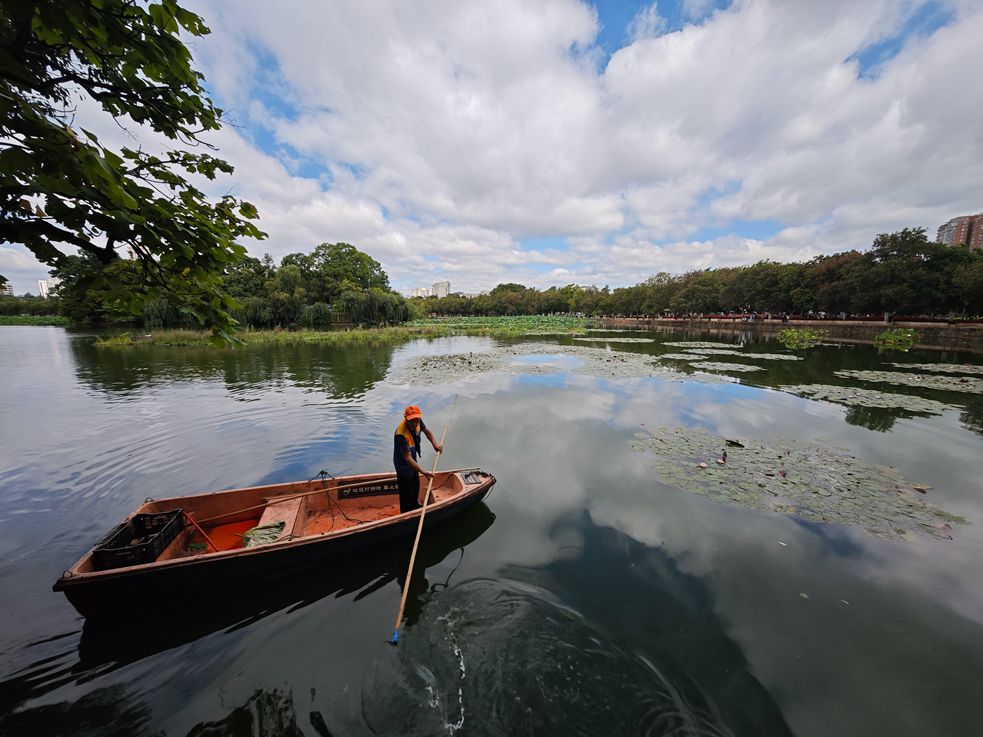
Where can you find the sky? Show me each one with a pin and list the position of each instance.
(561, 141)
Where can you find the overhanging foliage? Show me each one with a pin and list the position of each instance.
(61, 189)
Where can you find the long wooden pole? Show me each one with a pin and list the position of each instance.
(419, 532)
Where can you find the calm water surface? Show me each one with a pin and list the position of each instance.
(582, 598)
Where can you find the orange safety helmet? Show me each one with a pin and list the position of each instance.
(412, 413)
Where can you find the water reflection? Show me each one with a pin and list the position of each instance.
(972, 414)
(610, 638)
(112, 711)
(153, 627)
(651, 611)
(338, 372)
(877, 419)
(818, 367)
(266, 713)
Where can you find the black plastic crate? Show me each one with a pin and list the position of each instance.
(138, 540)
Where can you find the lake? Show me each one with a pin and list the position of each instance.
(824, 580)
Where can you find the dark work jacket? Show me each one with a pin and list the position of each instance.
(400, 446)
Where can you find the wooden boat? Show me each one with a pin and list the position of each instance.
(189, 544)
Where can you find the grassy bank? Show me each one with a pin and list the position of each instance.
(497, 327)
(55, 320)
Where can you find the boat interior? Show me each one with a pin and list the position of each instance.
(222, 521)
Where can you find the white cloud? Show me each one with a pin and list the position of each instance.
(647, 23)
(449, 132)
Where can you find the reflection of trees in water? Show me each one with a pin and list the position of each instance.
(972, 415)
(878, 419)
(336, 371)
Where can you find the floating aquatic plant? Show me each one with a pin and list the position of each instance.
(747, 354)
(699, 344)
(857, 397)
(616, 339)
(714, 351)
(800, 338)
(721, 366)
(806, 480)
(896, 339)
(952, 368)
(590, 361)
(683, 356)
(441, 368)
(969, 385)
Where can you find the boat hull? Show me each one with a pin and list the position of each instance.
(124, 592)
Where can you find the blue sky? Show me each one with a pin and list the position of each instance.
(559, 141)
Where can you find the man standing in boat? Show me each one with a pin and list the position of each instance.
(406, 449)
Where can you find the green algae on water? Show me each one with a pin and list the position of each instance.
(802, 479)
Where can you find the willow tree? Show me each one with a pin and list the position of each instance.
(62, 191)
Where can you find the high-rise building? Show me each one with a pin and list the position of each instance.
(420, 292)
(46, 286)
(965, 230)
(441, 288)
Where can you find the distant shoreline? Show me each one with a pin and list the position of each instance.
(34, 320)
(932, 335)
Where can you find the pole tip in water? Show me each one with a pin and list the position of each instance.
(395, 639)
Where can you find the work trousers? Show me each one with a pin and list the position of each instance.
(409, 491)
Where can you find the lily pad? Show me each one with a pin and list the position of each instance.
(951, 368)
(969, 385)
(802, 479)
(720, 366)
(857, 397)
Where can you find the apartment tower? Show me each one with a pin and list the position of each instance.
(965, 230)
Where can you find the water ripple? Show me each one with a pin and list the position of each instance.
(500, 657)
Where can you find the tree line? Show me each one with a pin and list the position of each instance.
(902, 273)
(335, 284)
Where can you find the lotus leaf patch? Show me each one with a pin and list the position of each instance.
(802, 479)
(857, 397)
(950, 368)
(968, 384)
(720, 366)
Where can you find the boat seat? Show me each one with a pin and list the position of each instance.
(286, 511)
